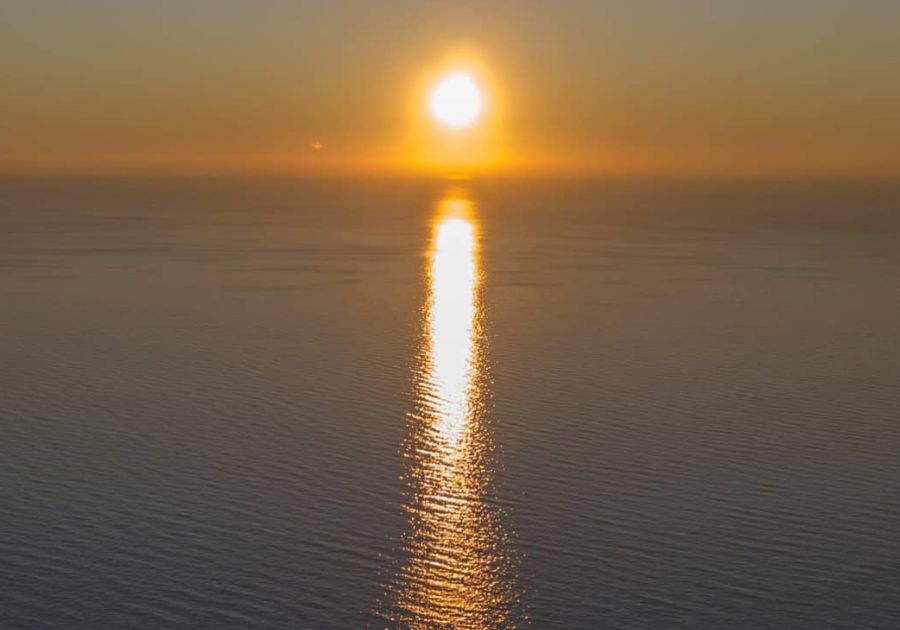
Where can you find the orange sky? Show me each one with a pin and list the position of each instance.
(586, 87)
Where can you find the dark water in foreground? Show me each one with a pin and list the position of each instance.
(271, 404)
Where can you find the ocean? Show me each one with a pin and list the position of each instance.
(281, 403)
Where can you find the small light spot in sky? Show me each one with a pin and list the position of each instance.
(316, 145)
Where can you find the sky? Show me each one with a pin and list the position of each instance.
(788, 87)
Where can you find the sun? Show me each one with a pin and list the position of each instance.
(456, 100)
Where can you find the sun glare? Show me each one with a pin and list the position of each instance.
(456, 101)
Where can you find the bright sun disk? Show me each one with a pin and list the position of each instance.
(456, 101)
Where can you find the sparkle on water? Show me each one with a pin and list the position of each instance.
(458, 571)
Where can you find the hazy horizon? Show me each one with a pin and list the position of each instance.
(592, 88)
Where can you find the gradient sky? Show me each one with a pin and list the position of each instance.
(688, 87)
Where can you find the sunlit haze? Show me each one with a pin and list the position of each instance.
(586, 87)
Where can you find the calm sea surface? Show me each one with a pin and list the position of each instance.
(279, 404)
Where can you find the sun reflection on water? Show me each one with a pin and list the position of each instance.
(458, 571)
